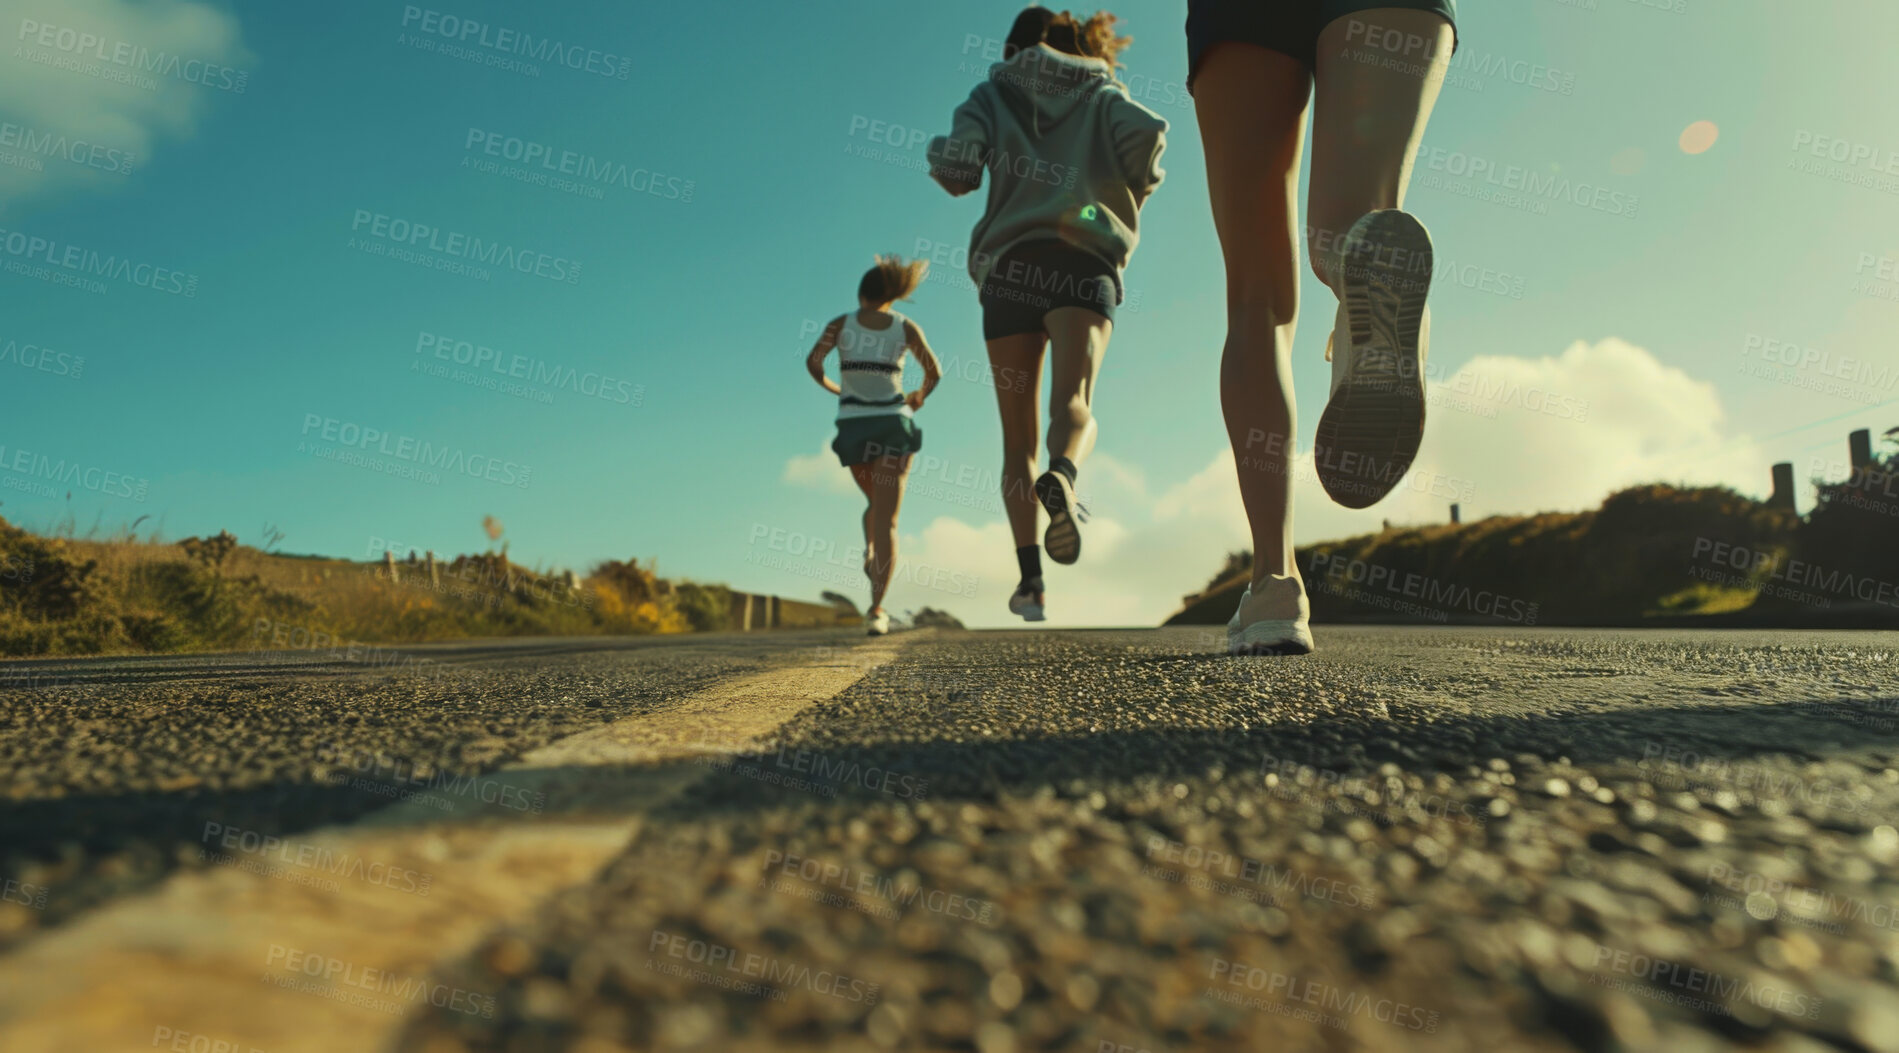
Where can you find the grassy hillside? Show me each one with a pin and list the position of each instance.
(1651, 555)
(74, 596)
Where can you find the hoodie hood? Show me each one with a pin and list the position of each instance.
(1067, 155)
(1043, 85)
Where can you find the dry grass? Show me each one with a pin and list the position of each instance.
(125, 592)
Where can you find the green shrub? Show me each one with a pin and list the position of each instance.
(41, 578)
(708, 608)
(1854, 528)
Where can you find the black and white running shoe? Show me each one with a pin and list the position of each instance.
(1062, 540)
(1374, 422)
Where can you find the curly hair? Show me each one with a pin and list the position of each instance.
(1093, 37)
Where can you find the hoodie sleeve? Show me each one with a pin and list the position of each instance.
(956, 159)
(1139, 136)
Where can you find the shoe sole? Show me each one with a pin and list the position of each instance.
(1286, 638)
(1373, 426)
(1032, 615)
(1284, 648)
(1062, 539)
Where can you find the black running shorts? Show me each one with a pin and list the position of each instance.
(1035, 278)
(1292, 27)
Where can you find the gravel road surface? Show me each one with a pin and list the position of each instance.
(1448, 839)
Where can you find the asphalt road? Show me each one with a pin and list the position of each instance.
(1446, 839)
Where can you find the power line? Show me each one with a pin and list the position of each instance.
(1829, 420)
(1786, 431)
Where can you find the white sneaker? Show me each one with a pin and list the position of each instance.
(1028, 605)
(1274, 620)
(879, 623)
(1374, 420)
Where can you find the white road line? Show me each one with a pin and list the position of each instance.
(214, 951)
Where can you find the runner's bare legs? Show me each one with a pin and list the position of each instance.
(887, 478)
(860, 474)
(1369, 119)
(1251, 105)
(1078, 338)
(1019, 357)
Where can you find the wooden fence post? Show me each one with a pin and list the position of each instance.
(1783, 495)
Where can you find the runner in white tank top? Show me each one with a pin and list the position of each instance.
(876, 434)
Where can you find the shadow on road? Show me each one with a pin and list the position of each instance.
(1678, 747)
(1745, 748)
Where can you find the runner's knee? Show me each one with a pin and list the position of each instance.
(1263, 287)
(1258, 310)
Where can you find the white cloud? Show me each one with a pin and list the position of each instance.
(75, 125)
(1561, 433)
(1506, 435)
(820, 471)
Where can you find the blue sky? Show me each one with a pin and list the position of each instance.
(1637, 313)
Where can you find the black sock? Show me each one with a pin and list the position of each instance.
(1064, 466)
(1029, 559)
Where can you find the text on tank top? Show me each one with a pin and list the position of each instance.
(870, 368)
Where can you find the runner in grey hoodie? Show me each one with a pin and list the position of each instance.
(1070, 160)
